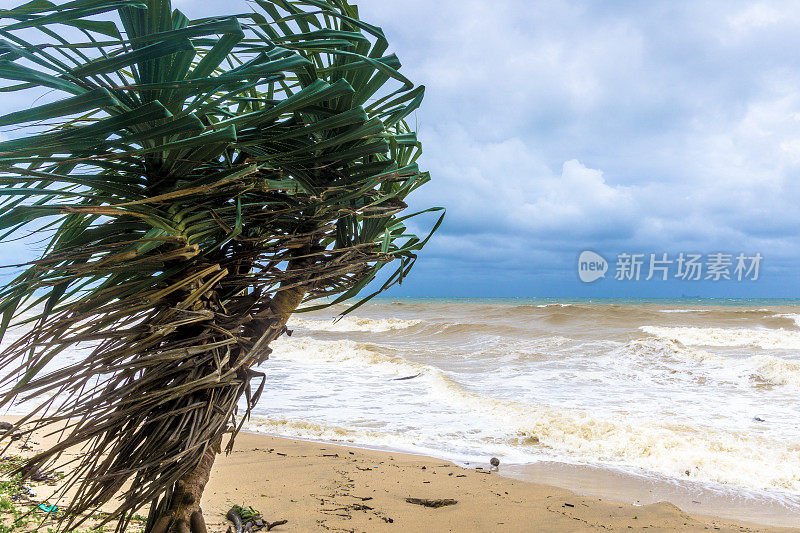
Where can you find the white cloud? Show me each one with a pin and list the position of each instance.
(505, 187)
(756, 16)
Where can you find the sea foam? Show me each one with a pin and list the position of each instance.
(352, 323)
(698, 336)
(652, 444)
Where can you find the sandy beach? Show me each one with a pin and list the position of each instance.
(324, 487)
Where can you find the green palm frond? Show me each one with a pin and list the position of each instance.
(200, 179)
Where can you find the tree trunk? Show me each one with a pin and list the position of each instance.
(183, 513)
(179, 512)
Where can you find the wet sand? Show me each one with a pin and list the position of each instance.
(691, 496)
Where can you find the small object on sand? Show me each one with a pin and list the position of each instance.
(5, 426)
(495, 462)
(758, 419)
(48, 508)
(443, 502)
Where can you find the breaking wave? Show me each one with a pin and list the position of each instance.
(696, 336)
(793, 316)
(761, 367)
(352, 323)
(543, 431)
(775, 370)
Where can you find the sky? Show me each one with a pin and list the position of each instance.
(554, 127)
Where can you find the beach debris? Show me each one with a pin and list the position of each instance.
(233, 516)
(442, 502)
(407, 377)
(8, 430)
(48, 508)
(758, 419)
(247, 519)
(38, 475)
(361, 507)
(495, 462)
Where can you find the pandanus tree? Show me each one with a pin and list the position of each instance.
(196, 181)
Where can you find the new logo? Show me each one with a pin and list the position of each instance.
(591, 266)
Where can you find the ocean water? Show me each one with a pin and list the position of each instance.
(693, 391)
(700, 391)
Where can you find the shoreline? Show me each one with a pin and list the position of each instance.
(319, 486)
(324, 486)
(608, 483)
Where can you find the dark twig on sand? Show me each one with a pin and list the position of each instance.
(270, 525)
(432, 503)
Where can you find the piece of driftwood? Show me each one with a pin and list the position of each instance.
(254, 521)
(407, 377)
(443, 502)
(233, 516)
